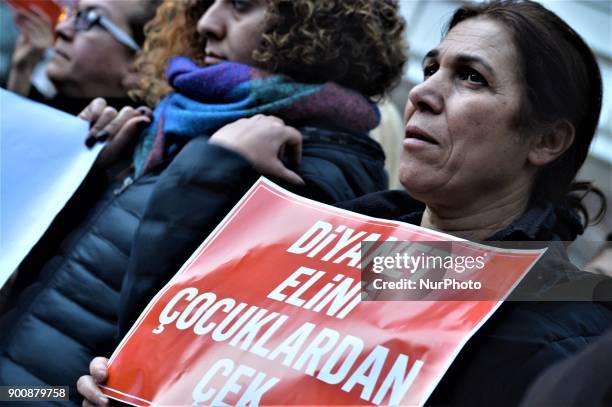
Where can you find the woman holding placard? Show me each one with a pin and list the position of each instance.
(295, 60)
(495, 135)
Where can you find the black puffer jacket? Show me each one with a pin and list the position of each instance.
(583, 379)
(335, 167)
(70, 314)
(522, 338)
(70, 311)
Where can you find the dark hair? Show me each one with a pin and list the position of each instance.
(138, 20)
(561, 81)
(359, 44)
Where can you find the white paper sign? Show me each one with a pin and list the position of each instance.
(43, 160)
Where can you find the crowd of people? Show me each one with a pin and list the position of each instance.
(196, 99)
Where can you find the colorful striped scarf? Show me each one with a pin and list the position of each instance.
(205, 99)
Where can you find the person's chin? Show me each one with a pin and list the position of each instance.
(61, 81)
(57, 70)
(416, 179)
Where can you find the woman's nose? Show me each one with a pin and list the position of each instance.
(210, 25)
(428, 96)
(65, 28)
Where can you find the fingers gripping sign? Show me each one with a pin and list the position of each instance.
(264, 141)
(88, 385)
(118, 129)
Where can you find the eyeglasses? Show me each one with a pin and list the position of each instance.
(84, 20)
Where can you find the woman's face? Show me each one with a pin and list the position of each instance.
(92, 63)
(233, 30)
(461, 141)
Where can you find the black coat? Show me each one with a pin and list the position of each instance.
(69, 315)
(522, 338)
(335, 167)
(583, 379)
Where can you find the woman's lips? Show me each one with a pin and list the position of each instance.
(417, 139)
(212, 59)
(61, 54)
(417, 136)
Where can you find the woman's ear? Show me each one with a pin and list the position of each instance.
(551, 144)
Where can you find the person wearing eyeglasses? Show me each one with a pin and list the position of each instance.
(95, 46)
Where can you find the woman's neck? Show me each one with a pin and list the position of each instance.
(479, 219)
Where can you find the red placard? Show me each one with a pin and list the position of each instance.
(268, 311)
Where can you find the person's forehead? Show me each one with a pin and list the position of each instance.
(483, 38)
(117, 10)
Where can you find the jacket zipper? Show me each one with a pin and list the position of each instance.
(126, 184)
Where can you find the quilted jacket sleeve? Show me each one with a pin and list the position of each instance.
(205, 181)
(192, 196)
(521, 340)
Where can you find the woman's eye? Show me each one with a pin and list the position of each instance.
(429, 70)
(472, 76)
(241, 5)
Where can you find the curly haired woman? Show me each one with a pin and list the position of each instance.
(247, 68)
(308, 40)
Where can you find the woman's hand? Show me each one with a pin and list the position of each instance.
(120, 129)
(88, 385)
(264, 140)
(36, 35)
